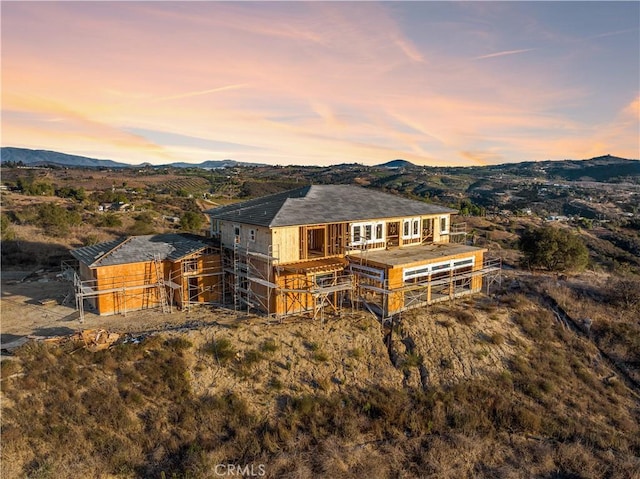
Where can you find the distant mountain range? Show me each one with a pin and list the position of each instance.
(602, 168)
(44, 157)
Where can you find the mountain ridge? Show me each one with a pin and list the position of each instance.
(567, 168)
(30, 157)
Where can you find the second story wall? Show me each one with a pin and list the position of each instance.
(286, 243)
(255, 238)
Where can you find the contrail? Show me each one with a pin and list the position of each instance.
(502, 54)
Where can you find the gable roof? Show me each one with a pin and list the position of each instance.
(137, 249)
(318, 204)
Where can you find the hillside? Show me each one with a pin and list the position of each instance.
(29, 157)
(44, 157)
(396, 164)
(492, 386)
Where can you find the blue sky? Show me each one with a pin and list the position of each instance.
(436, 83)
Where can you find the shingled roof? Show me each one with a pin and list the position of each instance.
(320, 204)
(137, 249)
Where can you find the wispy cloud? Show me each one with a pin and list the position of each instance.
(617, 32)
(202, 92)
(409, 49)
(312, 82)
(504, 53)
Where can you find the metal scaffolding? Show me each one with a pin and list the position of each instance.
(182, 281)
(314, 294)
(374, 292)
(148, 289)
(251, 275)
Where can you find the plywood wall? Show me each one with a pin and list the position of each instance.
(286, 244)
(121, 281)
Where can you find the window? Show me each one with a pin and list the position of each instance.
(440, 269)
(356, 234)
(464, 262)
(443, 224)
(411, 228)
(252, 235)
(367, 233)
(379, 231)
(236, 234)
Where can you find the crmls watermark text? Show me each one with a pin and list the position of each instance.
(237, 470)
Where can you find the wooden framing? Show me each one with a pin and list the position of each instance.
(122, 288)
(295, 277)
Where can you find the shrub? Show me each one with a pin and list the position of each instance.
(6, 231)
(320, 356)
(252, 357)
(55, 219)
(91, 240)
(191, 221)
(497, 338)
(464, 317)
(413, 360)
(78, 194)
(554, 249)
(221, 349)
(109, 220)
(356, 353)
(276, 384)
(143, 225)
(178, 344)
(269, 346)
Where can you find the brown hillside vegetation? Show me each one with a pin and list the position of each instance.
(495, 387)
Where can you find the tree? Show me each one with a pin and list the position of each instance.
(554, 249)
(56, 220)
(5, 228)
(143, 225)
(191, 221)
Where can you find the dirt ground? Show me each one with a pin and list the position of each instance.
(44, 306)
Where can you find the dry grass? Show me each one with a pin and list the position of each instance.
(171, 405)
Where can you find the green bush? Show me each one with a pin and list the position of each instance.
(109, 220)
(321, 356)
(191, 221)
(6, 231)
(143, 225)
(553, 249)
(91, 240)
(221, 349)
(269, 346)
(413, 360)
(56, 220)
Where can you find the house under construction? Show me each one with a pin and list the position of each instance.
(325, 247)
(142, 272)
(310, 251)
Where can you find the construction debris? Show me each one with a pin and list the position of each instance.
(93, 339)
(96, 340)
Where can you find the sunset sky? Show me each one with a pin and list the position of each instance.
(318, 83)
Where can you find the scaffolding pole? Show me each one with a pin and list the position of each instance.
(421, 293)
